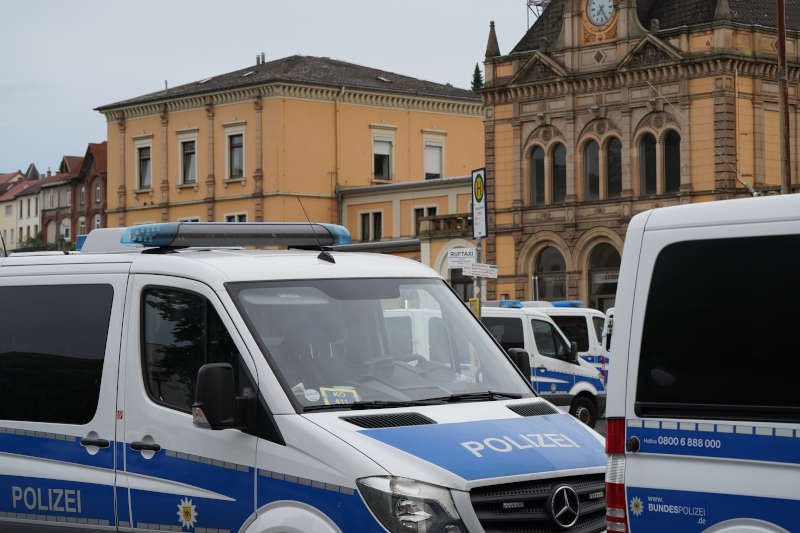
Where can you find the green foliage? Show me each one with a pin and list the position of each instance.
(477, 79)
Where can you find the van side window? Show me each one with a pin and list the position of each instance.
(548, 341)
(52, 346)
(181, 332)
(719, 331)
(507, 331)
(598, 326)
(574, 327)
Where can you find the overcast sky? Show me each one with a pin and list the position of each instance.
(59, 59)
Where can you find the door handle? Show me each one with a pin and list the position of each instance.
(542, 368)
(100, 443)
(145, 446)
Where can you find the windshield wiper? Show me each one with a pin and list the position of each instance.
(478, 396)
(375, 404)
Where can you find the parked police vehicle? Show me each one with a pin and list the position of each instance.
(608, 330)
(704, 411)
(558, 373)
(170, 382)
(584, 326)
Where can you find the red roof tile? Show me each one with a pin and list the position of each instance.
(98, 151)
(74, 163)
(21, 187)
(6, 177)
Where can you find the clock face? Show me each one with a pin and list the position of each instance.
(599, 11)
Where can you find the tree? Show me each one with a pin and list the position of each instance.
(477, 79)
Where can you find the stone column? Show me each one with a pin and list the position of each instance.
(760, 177)
(660, 165)
(258, 175)
(209, 199)
(164, 200)
(627, 154)
(686, 142)
(571, 178)
(518, 155)
(121, 190)
(724, 138)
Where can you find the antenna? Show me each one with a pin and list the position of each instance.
(323, 254)
(3, 240)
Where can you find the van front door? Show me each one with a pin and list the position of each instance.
(553, 377)
(59, 353)
(179, 475)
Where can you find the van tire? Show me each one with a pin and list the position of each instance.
(584, 409)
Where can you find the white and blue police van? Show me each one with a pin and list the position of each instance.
(703, 406)
(162, 379)
(584, 326)
(558, 373)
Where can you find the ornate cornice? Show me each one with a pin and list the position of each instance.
(610, 80)
(303, 92)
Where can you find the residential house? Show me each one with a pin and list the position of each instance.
(28, 215)
(10, 212)
(56, 206)
(89, 190)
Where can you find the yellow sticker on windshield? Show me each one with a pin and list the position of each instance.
(337, 395)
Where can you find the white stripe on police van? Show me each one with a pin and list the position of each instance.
(762, 431)
(549, 380)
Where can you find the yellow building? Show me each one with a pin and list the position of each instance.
(607, 108)
(244, 146)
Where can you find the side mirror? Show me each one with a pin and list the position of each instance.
(573, 352)
(522, 360)
(215, 397)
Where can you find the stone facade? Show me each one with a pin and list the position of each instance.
(644, 113)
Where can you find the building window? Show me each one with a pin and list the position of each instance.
(382, 159)
(19, 215)
(591, 171)
(98, 193)
(559, 174)
(19, 239)
(97, 221)
(144, 167)
(189, 162)
(613, 168)
(236, 156)
(550, 278)
(52, 199)
(433, 161)
(35, 206)
(65, 227)
(647, 164)
(83, 194)
(672, 162)
(537, 176)
(371, 226)
(9, 208)
(197, 219)
(28, 210)
(604, 261)
(234, 217)
(69, 197)
(81, 226)
(420, 212)
(462, 285)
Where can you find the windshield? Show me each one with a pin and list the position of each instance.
(341, 341)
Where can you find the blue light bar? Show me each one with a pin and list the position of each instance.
(79, 240)
(224, 234)
(569, 303)
(511, 304)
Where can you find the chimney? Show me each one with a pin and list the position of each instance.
(263, 58)
(258, 59)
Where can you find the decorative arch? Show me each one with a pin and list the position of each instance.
(592, 238)
(440, 263)
(600, 128)
(535, 244)
(656, 122)
(547, 137)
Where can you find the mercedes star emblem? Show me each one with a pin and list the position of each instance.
(564, 506)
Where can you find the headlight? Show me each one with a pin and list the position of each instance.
(404, 505)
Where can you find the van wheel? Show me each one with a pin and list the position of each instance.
(584, 410)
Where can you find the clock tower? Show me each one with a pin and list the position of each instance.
(598, 21)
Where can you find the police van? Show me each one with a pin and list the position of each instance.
(558, 372)
(704, 410)
(162, 379)
(584, 326)
(608, 330)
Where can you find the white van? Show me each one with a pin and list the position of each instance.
(608, 330)
(173, 383)
(557, 374)
(585, 327)
(703, 406)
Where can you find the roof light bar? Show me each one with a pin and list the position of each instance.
(224, 234)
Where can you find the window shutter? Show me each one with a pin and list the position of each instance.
(382, 147)
(433, 159)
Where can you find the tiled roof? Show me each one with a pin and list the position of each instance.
(98, 151)
(547, 26)
(8, 176)
(74, 163)
(310, 70)
(20, 189)
(54, 180)
(676, 13)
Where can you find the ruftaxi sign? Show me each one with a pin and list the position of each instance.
(479, 222)
(460, 257)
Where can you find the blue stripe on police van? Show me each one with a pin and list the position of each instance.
(54, 446)
(723, 441)
(658, 510)
(498, 448)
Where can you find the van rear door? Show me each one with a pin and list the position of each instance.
(712, 407)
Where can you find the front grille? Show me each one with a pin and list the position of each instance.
(526, 502)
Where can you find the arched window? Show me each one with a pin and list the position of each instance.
(591, 171)
(97, 222)
(559, 174)
(604, 263)
(98, 194)
(647, 163)
(537, 176)
(613, 168)
(550, 278)
(672, 162)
